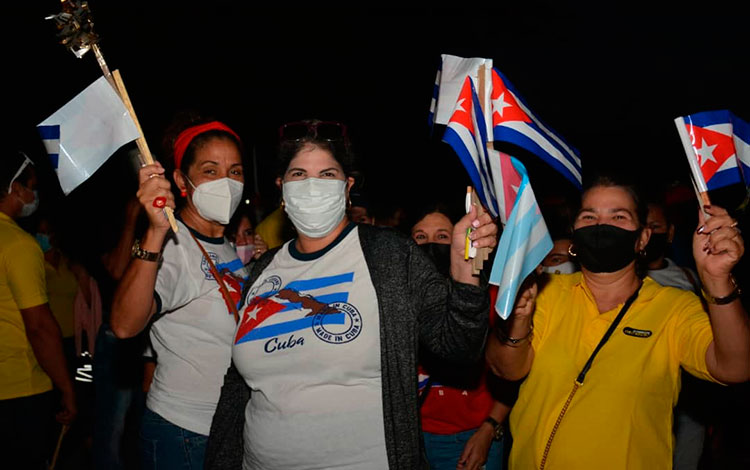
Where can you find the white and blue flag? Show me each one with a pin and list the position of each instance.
(84, 133)
(524, 243)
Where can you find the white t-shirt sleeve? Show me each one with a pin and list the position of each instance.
(174, 287)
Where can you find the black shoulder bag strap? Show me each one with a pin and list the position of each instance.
(582, 376)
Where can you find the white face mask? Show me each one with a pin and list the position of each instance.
(30, 207)
(315, 206)
(218, 199)
(567, 267)
(245, 252)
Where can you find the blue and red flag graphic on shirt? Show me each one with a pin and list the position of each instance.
(261, 316)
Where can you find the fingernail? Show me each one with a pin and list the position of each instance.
(474, 244)
(701, 228)
(475, 224)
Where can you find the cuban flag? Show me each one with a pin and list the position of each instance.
(491, 172)
(524, 243)
(741, 137)
(84, 133)
(513, 122)
(467, 134)
(712, 147)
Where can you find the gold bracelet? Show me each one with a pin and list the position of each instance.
(513, 342)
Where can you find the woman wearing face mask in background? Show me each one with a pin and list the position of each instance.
(171, 283)
(585, 406)
(330, 325)
(462, 422)
(241, 232)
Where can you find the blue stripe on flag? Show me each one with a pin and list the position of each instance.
(484, 167)
(54, 159)
(724, 178)
(310, 284)
(709, 118)
(517, 138)
(291, 326)
(452, 138)
(49, 132)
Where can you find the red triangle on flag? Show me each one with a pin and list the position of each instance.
(711, 149)
(504, 104)
(464, 103)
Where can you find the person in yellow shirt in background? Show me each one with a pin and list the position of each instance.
(602, 356)
(31, 355)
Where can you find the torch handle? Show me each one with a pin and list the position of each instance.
(146, 156)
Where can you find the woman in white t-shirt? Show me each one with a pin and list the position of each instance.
(170, 286)
(327, 340)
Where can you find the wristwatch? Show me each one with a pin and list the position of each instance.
(138, 252)
(497, 427)
(736, 292)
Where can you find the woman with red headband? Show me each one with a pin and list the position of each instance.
(186, 285)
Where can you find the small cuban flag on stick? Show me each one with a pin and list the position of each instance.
(717, 146)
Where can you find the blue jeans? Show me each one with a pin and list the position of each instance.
(443, 451)
(118, 368)
(166, 446)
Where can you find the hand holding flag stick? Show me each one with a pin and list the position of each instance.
(77, 34)
(477, 255)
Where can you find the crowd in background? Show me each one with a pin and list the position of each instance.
(94, 368)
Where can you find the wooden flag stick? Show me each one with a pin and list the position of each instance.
(63, 430)
(146, 156)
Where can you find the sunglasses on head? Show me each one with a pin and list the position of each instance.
(321, 130)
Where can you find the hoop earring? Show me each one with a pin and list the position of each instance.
(571, 252)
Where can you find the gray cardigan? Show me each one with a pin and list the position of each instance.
(417, 306)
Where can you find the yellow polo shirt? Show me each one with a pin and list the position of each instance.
(22, 285)
(621, 418)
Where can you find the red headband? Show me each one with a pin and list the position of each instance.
(187, 136)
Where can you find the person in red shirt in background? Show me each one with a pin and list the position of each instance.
(462, 422)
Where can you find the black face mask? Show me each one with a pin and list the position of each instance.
(440, 253)
(657, 246)
(604, 248)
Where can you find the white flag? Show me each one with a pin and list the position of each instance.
(449, 82)
(84, 133)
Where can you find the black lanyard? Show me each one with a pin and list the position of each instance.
(606, 336)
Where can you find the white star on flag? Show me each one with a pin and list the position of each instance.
(499, 104)
(459, 105)
(706, 152)
(253, 314)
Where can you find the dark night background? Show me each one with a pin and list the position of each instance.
(610, 83)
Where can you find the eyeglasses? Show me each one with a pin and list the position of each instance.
(321, 130)
(27, 161)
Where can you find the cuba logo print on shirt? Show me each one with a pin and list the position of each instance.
(319, 305)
